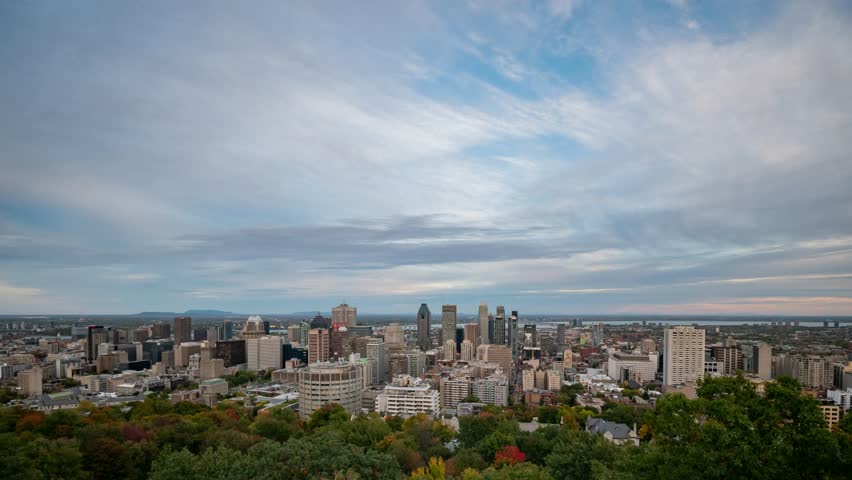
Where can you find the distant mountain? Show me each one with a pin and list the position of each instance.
(189, 313)
(209, 313)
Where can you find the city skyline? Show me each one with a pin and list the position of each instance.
(556, 157)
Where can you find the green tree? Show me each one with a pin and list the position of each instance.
(279, 425)
(329, 414)
(366, 431)
(520, 471)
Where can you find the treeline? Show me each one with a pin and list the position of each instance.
(728, 432)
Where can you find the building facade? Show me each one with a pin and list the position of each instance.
(183, 330)
(324, 383)
(424, 328)
(345, 315)
(407, 396)
(449, 315)
(683, 355)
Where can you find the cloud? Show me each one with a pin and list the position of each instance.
(563, 8)
(10, 293)
(751, 306)
(315, 151)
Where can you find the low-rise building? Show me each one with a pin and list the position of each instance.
(214, 386)
(617, 433)
(407, 396)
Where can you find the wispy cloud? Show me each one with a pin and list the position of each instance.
(552, 153)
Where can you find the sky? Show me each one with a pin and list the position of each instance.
(564, 156)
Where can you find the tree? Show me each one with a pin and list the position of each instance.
(509, 455)
(366, 431)
(521, 471)
(620, 413)
(547, 414)
(471, 399)
(434, 471)
(574, 452)
(279, 425)
(465, 459)
(328, 414)
(568, 393)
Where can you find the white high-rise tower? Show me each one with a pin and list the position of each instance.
(683, 353)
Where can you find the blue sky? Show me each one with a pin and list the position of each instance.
(557, 156)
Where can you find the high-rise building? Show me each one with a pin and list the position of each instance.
(294, 334)
(211, 368)
(512, 334)
(141, 334)
(647, 345)
(227, 330)
(467, 351)
(407, 396)
(232, 352)
(448, 322)
(377, 353)
(500, 328)
(498, 354)
(493, 390)
(730, 354)
(95, 335)
(184, 351)
(453, 391)
(683, 355)
(324, 383)
(183, 330)
(319, 345)
(598, 334)
(394, 335)
(340, 343)
(530, 336)
(762, 358)
(271, 353)
(304, 328)
(345, 315)
(811, 371)
(213, 334)
(254, 328)
(450, 350)
(567, 359)
(30, 382)
(424, 327)
(483, 323)
(560, 335)
(416, 363)
(471, 332)
(199, 334)
(161, 330)
(264, 352)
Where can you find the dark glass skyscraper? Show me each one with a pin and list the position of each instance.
(500, 326)
(424, 326)
(183, 330)
(512, 334)
(448, 322)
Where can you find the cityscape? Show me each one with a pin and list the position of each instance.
(544, 375)
(426, 240)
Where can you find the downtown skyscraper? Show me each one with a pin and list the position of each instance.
(483, 323)
(448, 322)
(424, 326)
(500, 326)
(183, 330)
